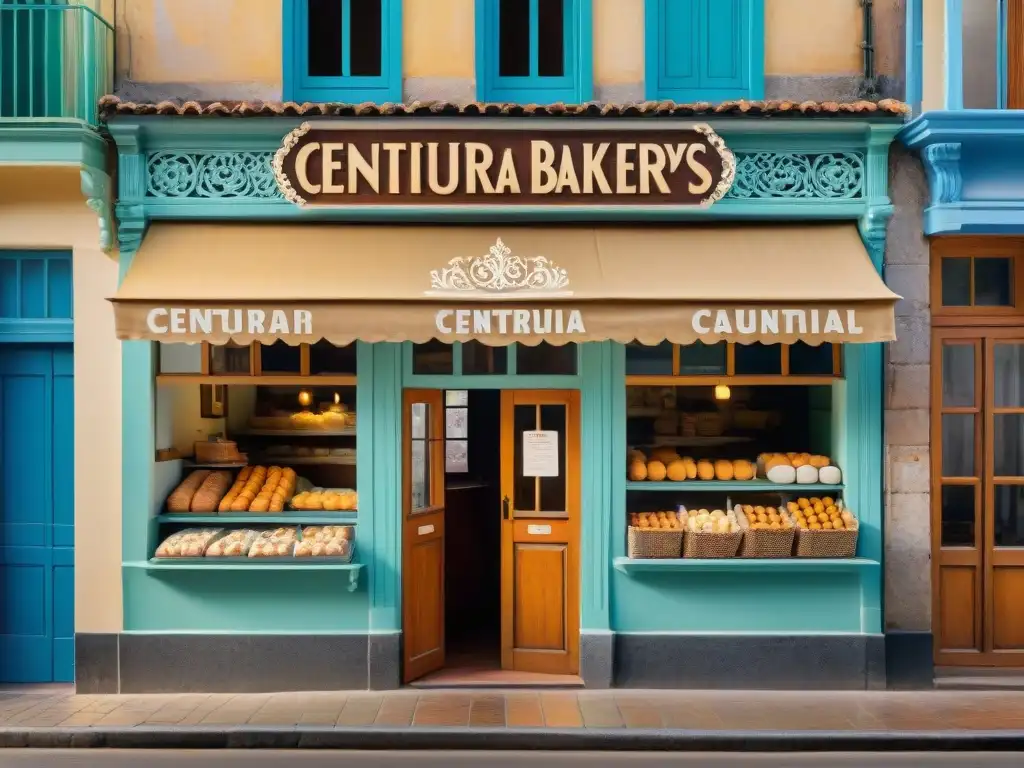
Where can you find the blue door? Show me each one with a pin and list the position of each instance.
(37, 515)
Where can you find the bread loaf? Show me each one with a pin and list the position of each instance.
(180, 499)
(213, 488)
(229, 499)
(249, 490)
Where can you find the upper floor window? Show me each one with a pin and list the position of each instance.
(343, 50)
(534, 51)
(704, 50)
(979, 276)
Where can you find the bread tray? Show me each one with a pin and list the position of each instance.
(253, 560)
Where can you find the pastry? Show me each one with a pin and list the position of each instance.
(279, 542)
(723, 470)
(233, 544)
(208, 496)
(705, 470)
(180, 499)
(677, 470)
(656, 471)
(637, 470)
(743, 470)
(191, 542)
(248, 493)
(236, 488)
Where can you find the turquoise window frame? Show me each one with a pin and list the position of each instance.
(658, 37)
(575, 86)
(508, 380)
(300, 87)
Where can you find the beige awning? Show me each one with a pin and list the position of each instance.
(501, 284)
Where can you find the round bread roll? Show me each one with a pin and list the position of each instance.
(830, 475)
(656, 471)
(782, 474)
(677, 470)
(806, 474)
(742, 470)
(705, 470)
(723, 470)
(637, 471)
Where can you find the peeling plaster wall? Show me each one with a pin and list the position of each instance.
(43, 207)
(907, 385)
(231, 49)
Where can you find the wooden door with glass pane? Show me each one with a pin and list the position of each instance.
(422, 532)
(978, 497)
(540, 486)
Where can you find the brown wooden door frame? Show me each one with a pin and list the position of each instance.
(531, 537)
(984, 558)
(423, 544)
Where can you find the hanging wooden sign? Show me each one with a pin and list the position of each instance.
(321, 164)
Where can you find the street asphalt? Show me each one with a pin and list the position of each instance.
(74, 758)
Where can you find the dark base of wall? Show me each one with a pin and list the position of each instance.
(798, 662)
(909, 660)
(193, 663)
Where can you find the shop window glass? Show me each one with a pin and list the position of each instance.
(230, 359)
(958, 445)
(181, 358)
(434, 357)
(806, 360)
(958, 516)
(546, 359)
(481, 359)
(956, 282)
(420, 469)
(325, 359)
(758, 359)
(280, 357)
(456, 431)
(1008, 525)
(643, 360)
(703, 359)
(993, 282)
(1008, 437)
(958, 375)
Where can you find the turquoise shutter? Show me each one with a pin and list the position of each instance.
(725, 54)
(679, 32)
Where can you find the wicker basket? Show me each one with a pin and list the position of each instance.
(711, 545)
(218, 452)
(654, 543)
(761, 542)
(826, 544)
(710, 425)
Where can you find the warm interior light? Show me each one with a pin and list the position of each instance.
(722, 392)
(337, 398)
(305, 398)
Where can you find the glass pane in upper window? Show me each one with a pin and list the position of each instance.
(434, 357)
(323, 36)
(550, 38)
(365, 40)
(456, 422)
(956, 282)
(642, 360)
(280, 357)
(993, 282)
(546, 359)
(456, 397)
(456, 456)
(805, 360)
(514, 38)
(326, 359)
(758, 359)
(703, 359)
(230, 359)
(481, 359)
(980, 20)
(183, 358)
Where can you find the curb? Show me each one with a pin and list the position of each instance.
(620, 740)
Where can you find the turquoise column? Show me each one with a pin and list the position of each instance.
(603, 427)
(379, 479)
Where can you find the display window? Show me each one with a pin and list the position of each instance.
(269, 474)
(731, 451)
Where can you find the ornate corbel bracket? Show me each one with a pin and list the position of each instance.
(96, 187)
(942, 164)
(130, 231)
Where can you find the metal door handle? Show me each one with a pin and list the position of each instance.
(505, 507)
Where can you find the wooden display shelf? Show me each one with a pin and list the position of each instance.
(296, 517)
(247, 564)
(699, 441)
(297, 460)
(710, 486)
(631, 566)
(347, 432)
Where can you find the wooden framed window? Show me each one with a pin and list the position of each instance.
(256, 363)
(471, 358)
(704, 50)
(456, 431)
(977, 279)
(670, 364)
(342, 50)
(534, 51)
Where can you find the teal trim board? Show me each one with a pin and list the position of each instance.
(704, 50)
(35, 297)
(355, 73)
(513, 67)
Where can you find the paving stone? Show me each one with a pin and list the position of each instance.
(360, 709)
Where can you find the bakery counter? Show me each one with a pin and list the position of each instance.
(297, 518)
(351, 571)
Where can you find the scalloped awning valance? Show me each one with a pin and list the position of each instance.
(502, 284)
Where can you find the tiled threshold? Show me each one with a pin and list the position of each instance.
(979, 679)
(468, 677)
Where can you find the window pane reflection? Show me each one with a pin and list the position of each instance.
(1009, 375)
(524, 488)
(420, 474)
(1008, 458)
(958, 516)
(700, 359)
(757, 358)
(993, 282)
(956, 282)
(552, 489)
(958, 375)
(643, 360)
(1009, 516)
(957, 445)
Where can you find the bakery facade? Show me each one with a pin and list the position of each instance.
(587, 398)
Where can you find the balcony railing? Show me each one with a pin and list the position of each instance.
(56, 59)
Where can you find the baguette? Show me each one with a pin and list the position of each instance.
(249, 490)
(180, 499)
(228, 500)
(210, 492)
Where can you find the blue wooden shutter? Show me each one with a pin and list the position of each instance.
(705, 50)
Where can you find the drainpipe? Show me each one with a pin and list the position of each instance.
(868, 84)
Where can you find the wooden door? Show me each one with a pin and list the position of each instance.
(978, 496)
(422, 532)
(540, 486)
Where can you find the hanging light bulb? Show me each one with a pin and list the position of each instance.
(305, 398)
(722, 392)
(337, 398)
